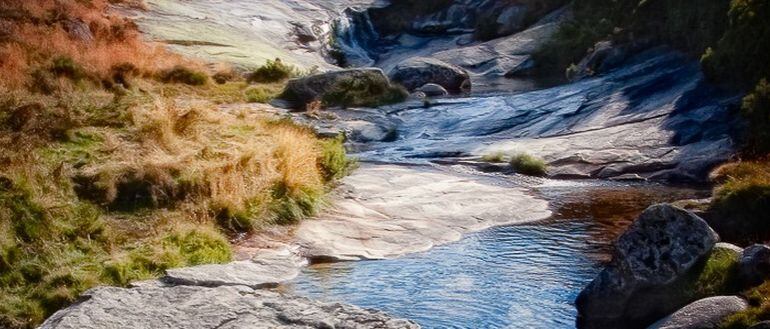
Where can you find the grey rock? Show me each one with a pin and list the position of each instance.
(660, 248)
(432, 90)
(603, 56)
(761, 325)
(728, 247)
(78, 30)
(270, 268)
(706, 313)
(384, 211)
(602, 127)
(194, 307)
(754, 265)
(304, 90)
(419, 71)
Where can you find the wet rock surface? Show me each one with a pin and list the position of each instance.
(157, 306)
(706, 313)
(656, 252)
(419, 71)
(654, 118)
(384, 211)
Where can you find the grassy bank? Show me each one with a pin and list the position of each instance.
(117, 163)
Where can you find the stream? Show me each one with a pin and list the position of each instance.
(518, 276)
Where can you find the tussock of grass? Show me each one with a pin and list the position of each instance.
(334, 162)
(742, 201)
(273, 71)
(496, 157)
(528, 165)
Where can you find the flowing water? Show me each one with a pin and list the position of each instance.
(521, 276)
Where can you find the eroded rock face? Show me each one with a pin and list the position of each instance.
(706, 313)
(658, 249)
(157, 306)
(754, 265)
(419, 71)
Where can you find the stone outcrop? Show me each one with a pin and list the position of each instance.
(656, 252)
(153, 305)
(706, 313)
(754, 265)
(419, 71)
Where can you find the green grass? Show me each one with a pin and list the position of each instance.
(334, 162)
(262, 93)
(496, 157)
(272, 71)
(719, 274)
(529, 165)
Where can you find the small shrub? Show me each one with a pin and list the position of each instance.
(272, 71)
(756, 110)
(66, 67)
(223, 77)
(496, 157)
(528, 165)
(369, 90)
(181, 74)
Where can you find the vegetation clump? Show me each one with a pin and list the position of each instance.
(741, 201)
(495, 157)
(108, 177)
(185, 75)
(528, 165)
(370, 90)
(273, 71)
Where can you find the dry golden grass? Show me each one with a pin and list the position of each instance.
(36, 33)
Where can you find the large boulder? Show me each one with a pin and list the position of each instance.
(706, 313)
(659, 250)
(301, 91)
(419, 71)
(754, 265)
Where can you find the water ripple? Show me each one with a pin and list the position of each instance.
(523, 276)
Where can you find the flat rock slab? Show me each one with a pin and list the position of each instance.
(155, 306)
(269, 269)
(384, 211)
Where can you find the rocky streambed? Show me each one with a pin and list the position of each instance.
(439, 237)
